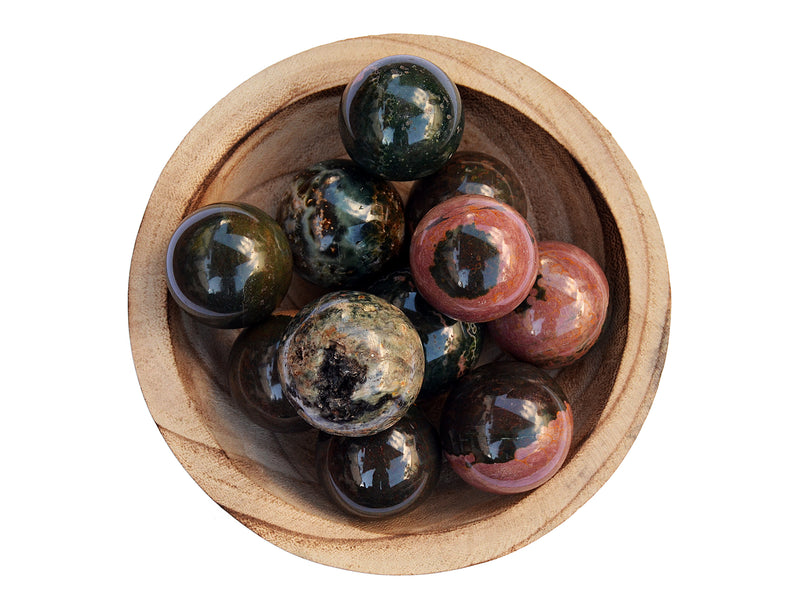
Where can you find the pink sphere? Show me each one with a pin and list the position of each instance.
(474, 258)
(564, 313)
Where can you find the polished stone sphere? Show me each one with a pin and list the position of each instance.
(451, 347)
(228, 265)
(506, 427)
(563, 316)
(253, 379)
(381, 475)
(343, 224)
(401, 118)
(351, 363)
(474, 258)
(467, 173)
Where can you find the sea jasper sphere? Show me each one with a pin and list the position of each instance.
(351, 363)
(228, 265)
(474, 258)
(253, 378)
(401, 118)
(467, 173)
(343, 224)
(506, 427)
(384, 474)
(451, 347)
(563, 315)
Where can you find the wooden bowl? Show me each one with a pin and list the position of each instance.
(581, 189)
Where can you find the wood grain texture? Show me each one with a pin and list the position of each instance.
(581, 189)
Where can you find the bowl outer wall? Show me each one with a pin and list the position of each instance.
(182, 182)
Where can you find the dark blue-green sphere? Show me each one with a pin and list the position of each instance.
(401, 118)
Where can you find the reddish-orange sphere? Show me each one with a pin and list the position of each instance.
(564, 313)
(474, 258)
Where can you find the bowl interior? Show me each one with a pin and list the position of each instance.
(564, 204)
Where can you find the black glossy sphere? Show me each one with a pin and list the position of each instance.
(228, 265)
(401, 118)
(382, 475)
(467, 173)
(451, 347)
(254, 381)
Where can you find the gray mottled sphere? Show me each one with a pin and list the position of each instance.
(351, 363)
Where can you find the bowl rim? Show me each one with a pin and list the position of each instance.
(217, 135)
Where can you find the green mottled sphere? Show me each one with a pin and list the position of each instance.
(381, 475)
(228, 265)
(343, 224)
(451, 347)
(351, 363)
(401, 118)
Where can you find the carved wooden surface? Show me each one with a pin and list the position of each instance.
(581, 189)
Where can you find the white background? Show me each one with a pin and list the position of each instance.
(701, 96)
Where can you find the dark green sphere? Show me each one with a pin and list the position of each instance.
(451, 347)
(343, 223)
(228, 265)
(401, 118)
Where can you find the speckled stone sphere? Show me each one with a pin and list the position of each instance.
(381, 475)
(253, 379)
(343, 224)
(474, 258)
(506, 427)
(351, 363)
(467, 173)
(228, 265)
(563, 315)
(451, 347)
(401, 118)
